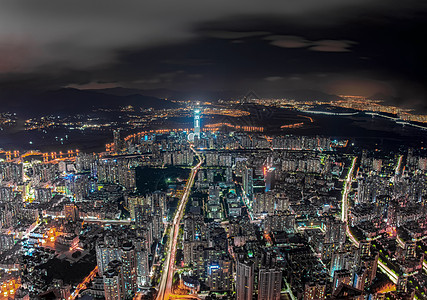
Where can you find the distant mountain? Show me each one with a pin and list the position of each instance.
(120, 91)
(194, 95)
(301, 95)
(200, 95)
(71, 100)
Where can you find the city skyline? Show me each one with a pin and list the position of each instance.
(232, 219)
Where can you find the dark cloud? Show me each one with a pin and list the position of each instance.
(332, 45)
(291, 41)
(83, 33)
(288, 41)
(234, 34)
(274, 78)
(357, 46)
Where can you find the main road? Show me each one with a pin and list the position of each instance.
(347, 188)
(83, 284)
(165, 287)
(344, 217)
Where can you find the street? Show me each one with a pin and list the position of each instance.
(165, 287)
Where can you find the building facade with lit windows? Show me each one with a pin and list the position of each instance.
(197, 126)
(244, 280)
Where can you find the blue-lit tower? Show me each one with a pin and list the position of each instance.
(197, 123)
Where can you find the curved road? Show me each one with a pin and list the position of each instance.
(165, 287)
(347, 188)
(344, 217)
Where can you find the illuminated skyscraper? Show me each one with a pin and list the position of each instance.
(315, 290)
(244, 280)
(6, 194)
(197, 123)
(269, 177)
(220, 275)
(106, 251)
(142, 264)
(116, 140)
(113, 281)
(248, 182)
(341, 277)
(270, 279)
(71, 212)
(129, 268)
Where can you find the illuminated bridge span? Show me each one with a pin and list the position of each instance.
(217, 126)
(295, 125)
(32, 153)
(15, 154)
(307, 117)
(397, 120)
(329, 113)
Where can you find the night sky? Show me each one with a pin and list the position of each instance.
(353, 47)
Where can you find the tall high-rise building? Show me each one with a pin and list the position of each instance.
(359, 278)
(42, 195)
(116, 140)
(315, 291)
(130, 260)
(269, 177)
(194, 228)
(402, 284)
(12, 172)
(244, 280)
(410, 250)
(6, 194)
(248, 182)
(71, 212)
(343, 260)
(341, 277)
(371, 264)
(197, 122)
(365, 248)
(142, 264)
(335, 232)
(133, 203)
(269, 283)
(269, 278)
(220, 275)
(113, 282)
(106, 251)
(129, 268)
(6, 242)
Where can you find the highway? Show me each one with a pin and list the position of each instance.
(83, 284)
(344, 217)
(387, 271)
(398, 120)
(165, 287)
(347, 187)
(399, 165)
